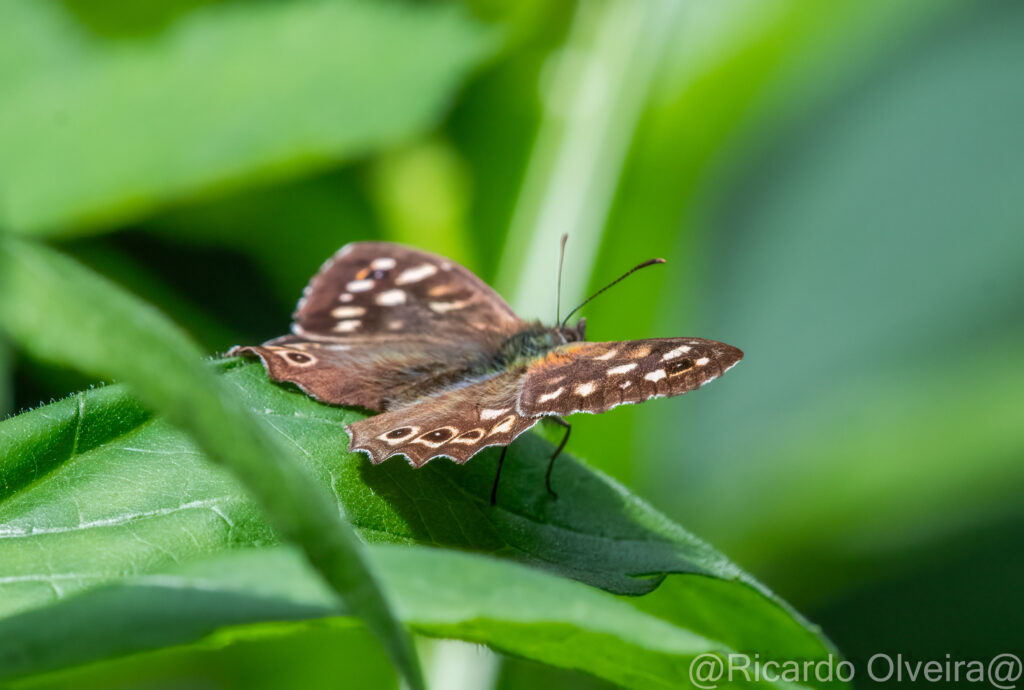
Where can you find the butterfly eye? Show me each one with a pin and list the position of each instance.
(679, 365)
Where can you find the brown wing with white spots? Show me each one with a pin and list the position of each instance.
(594, 377)
(457, 424)
(384, 291)
(382, 324)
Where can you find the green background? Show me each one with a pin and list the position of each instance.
(836, 188)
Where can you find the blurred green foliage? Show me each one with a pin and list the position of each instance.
(835, 186)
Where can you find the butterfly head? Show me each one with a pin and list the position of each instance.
(573, 334)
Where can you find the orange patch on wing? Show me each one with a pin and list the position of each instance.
(363, 273)
(556, 358)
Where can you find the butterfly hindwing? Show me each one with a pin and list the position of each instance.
(595, 377)
(384, 291)
(457, 424)
(376, 376)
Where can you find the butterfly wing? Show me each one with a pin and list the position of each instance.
(456, 424)
(381, 324)
(594, 377)
(389, 292)
(361, 373)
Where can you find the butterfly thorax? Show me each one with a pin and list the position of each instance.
(535, 341)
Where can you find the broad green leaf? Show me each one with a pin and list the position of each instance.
(326, 654)
(514, 609)
(61, 312)
(94, 131)
(133, 495)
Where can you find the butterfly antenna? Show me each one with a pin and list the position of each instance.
(558, 285)
(649, 262)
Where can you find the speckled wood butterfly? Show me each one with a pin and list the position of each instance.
(450, 366)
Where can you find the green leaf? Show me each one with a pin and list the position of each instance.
(313, 655)
(227, 95)
(62, 313)
(139, 492)
(516, 610)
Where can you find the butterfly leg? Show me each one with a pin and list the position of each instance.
(558, 451)
(497, 476)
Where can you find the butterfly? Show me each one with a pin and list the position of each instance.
(450, 367)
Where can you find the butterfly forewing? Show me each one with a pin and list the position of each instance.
(383, 291)
(594, 377)
(380, 324)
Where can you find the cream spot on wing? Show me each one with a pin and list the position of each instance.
(348, 325)
(440, 290)
(384, 263)
(345, 297)
(395, 325)
(391, 298)
(585, 389)
(607, 355)
(503, 426)
(415, 274)
(347, 312)
(622, 369)
(442, 307)
(625, 384)
(639, 352)
(702, 361)
(552, 395)
(556, 379)
(359, 285)
(493, 414)
(672, 354)
(656, 375)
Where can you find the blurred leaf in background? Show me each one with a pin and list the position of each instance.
(835, 186)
